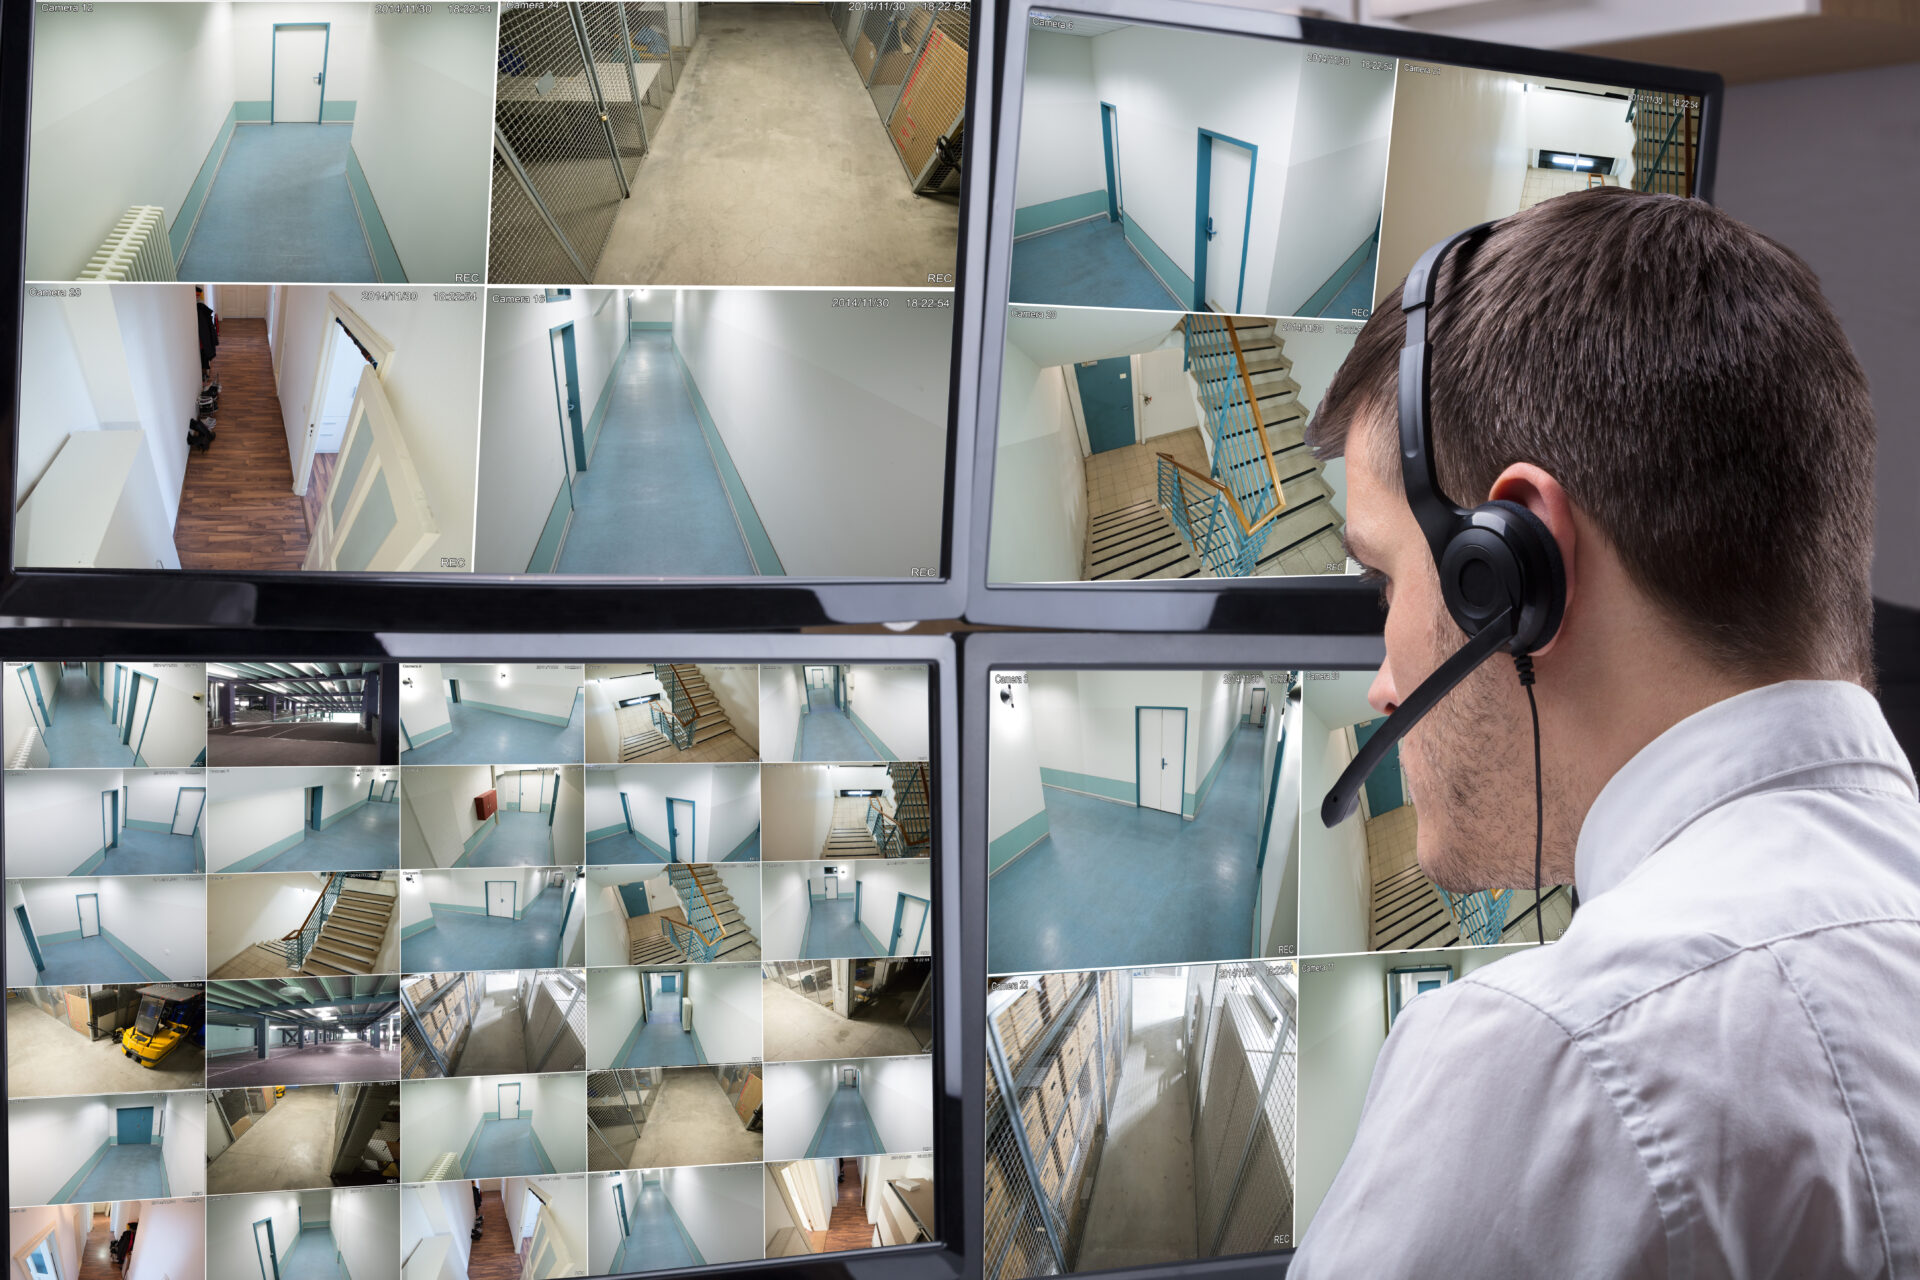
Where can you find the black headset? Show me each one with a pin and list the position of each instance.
(1500, 569)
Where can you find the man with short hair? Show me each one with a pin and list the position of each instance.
(1716, 1070)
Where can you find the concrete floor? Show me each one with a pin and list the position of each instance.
(772, 167)
(1143, 1208)
(461, 941)
(506, 1149)
(287, 1149)
(797, 1029)
(493, 737)
(342, 1062)
(833, 933)
(306, 742)
(80, 733)
(1078, 898)
(1086, 264)
(368, 839)
(497, 1042)
(46, 1057)
(846, 1127)
(518, 840)
(692, 1122)
(828, 733)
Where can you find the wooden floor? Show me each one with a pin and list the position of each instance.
(94, 1261)
(238, 509)
(493, 1256)
(319, 484)
(848, 1228)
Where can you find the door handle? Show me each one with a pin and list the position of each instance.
(318, 80)
(1210, 231)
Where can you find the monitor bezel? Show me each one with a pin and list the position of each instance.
(956, 1110)
(1321, 603)
(296, 601)
(982, 653)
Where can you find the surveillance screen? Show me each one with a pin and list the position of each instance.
(1202, 222)
(498, 289)
(493, 986)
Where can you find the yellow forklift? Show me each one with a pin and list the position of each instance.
(169, 1015)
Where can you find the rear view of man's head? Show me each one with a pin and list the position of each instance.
(1669, 391)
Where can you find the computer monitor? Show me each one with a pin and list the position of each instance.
(1195, 209)
(431, 957)
(351, 315)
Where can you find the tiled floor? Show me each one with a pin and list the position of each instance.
(722, 749)
(655, 1241)
(1114, 884)
(828, 733)
(506, 1149)
(124, 1173)
(518, 840)
(846, 1129)
(461, 940)
(81, 732)
(1123, 477)
(833, 933)
(1545, 184)
(1087, 264)
(662, 1042)
(368, 839)
(340, 1062)
(490, 737)
(279, 209)
(288, 1148)
(651, 500)
(149, 853)
(84, 960)
(799, 1030)
(257, 961)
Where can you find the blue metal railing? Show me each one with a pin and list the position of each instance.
(1481, 916)
(885, 832)
(295, 946)
(678, 720)
(1205, 519)
(1242, 458)
(687, 941)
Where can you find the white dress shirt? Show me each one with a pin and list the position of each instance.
(1715, 1072)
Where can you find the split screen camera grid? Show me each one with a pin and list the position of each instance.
(613, 967)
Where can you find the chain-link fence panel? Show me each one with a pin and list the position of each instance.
(1244, 1141)
(550, 142)
(656, 58)
(907, 29)
(605, 22)
(926, 124)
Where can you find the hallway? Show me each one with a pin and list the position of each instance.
(493, 737)
(81, 733)
(77, 961)
(136, 1172)
(847, 1127)
(367, 839)
(506, 1149)
(518, 840)
(280, 210)
(1150, 887)
(692, 1121)
(462, 940)
(655, 1239)
(238, 509)
(828, 734)
(833, 931)
(287, 1149)
(315, 1255)
(770, 102)
(661, 1041)
(650, 500)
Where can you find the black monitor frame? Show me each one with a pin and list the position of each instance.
(980, 654)
(1324, 603)
(296, 601)
(957, 1108)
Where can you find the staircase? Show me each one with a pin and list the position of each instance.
(1137, 542)
(688, 714)
(650, 942)
(711, 910)
(1235, 522)
(913, 801)
(849, 841)
(1666, 141)
(350, 934)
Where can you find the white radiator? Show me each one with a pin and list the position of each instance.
(446, 1167)
(136, 249)
(686, 1013)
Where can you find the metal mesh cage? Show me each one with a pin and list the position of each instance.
(605, 22)
(550, 142)
(899, 46)
(1243, 1153)
(656, 58)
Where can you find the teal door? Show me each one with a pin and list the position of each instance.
(33, 943)
(1110, 141)
(1384, 792)
(134, 1126)
(1106, 395)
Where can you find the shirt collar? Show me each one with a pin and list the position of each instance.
(1761, 740)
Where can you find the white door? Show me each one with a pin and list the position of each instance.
(89, 906)
(299, 68)
(913, 918)
(345, 364)
(500, 898)
(509, 1101)
(1163, 752)
(1227, 208)
(547, 1254)
(376, 515)
(833, 888)
(530, 795)
(186, 813)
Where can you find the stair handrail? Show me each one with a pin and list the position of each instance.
(1211, 361)
(1218, 536)
(1259, 422)
(308, 932)
(1233, 503)
(682, 727)
(1661, 154)
(884, 829)
(700, 948)
(721, 930)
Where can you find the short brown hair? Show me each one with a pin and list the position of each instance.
(1684, 379)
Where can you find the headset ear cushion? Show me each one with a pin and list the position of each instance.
(1538, 554)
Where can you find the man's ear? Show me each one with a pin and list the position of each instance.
(1540, 493)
